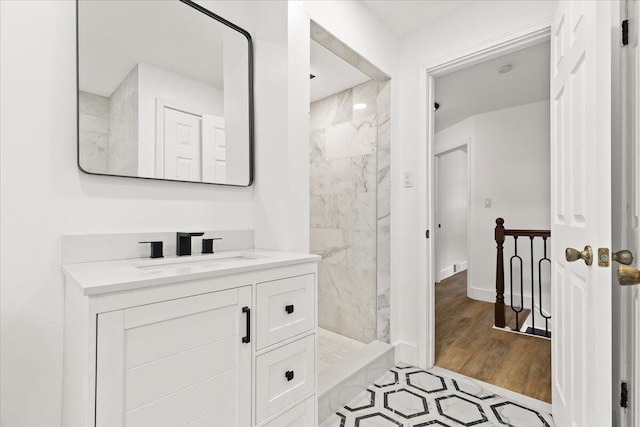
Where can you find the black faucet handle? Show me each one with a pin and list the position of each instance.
(207, 245)
(156, 249)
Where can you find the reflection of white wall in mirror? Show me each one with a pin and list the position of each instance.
(178, 91)
(214, 149)
(236, 95)
(182, 154)
(124, 126)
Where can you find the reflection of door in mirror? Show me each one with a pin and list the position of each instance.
(193, 146)
(182, 152)
(214, 149)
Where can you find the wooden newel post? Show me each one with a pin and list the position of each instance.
(499, 306)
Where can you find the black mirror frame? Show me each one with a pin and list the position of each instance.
(251, 108)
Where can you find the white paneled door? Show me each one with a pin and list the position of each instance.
(182, 148)
(581, 212)
(214, 149)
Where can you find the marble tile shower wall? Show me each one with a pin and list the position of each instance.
(94, 131)
(350, 210)
(109, 129)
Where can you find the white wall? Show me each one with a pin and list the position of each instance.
(510, 164)
(43, 194)
(479, 25)
(452, 212)
(510, 161)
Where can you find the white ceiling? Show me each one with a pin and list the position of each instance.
(115, 35)
(406, 16)
(480, 89)
(332, 73)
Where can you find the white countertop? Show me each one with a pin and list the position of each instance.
(111, 276)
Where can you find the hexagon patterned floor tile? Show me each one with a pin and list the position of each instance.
(410, 396)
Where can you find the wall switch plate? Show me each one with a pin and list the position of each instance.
(487, 202)
(407, 179)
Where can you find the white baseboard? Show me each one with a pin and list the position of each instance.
(449, 271)
(488, 295)
(406, 353)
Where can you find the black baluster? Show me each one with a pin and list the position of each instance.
(521, 307)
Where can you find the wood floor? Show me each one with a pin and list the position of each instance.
(467, 343)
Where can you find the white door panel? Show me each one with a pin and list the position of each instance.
(581, 211)
(214, 149)
(182, 148)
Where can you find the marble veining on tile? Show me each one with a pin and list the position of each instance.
(344, 199)
(93, 131)
(350, 209)
(123, 127)
(383, 229)
(333, 347)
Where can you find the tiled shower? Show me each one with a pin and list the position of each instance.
(350, 158)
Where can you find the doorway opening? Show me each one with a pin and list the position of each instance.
(491, 158)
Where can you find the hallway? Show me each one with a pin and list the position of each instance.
(467, 343)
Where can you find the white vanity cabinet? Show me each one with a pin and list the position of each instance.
(234, 349)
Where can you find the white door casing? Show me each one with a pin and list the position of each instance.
(182, 147)
(581, 212)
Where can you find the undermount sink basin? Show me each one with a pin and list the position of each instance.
(209, 261)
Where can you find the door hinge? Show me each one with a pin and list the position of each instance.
(426, 234)
(625, 32)
(624, 395)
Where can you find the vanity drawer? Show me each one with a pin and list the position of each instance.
(301, 415)
(285, 308)
(283, 376)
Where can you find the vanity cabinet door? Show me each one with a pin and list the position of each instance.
(175, 363)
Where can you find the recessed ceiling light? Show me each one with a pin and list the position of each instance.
(359, 106)
(504, 68)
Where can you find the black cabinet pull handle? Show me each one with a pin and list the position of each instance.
(288, 308)
(247, 337)
(289, 375)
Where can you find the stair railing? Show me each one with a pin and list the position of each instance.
(500, 318)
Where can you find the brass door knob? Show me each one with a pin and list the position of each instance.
(572, 255)
(623, 257)
(628, 275)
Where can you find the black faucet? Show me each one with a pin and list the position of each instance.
(183, 243)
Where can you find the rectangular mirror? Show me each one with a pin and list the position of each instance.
(165, 91)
